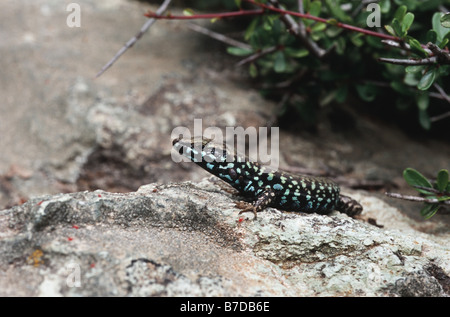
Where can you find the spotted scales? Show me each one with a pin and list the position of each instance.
(264, 186)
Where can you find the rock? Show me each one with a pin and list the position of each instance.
(187, 239)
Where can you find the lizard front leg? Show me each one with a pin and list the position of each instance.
(262, 202)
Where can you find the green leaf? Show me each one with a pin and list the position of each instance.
(398, 28)
(332, 21)
(445, 20)
(440, 30)
(424, 119)
(357, 39)
(414, 178)
(340, 45)
(427, 79)
(400, 13)
(400, 88)
(336, 11)
(442, 180)
(417, 48)
(237, 51)
(280, 62)
(444, 198)
(341, 94)
(423, 101)
(390, 30)
(407, 21)
(253, 70)
(429, 210)
(366, 92)
(431, 36)
(267, 25)
(315, 8)
(410, 79)
(306, 5)
(238, 3)
(188, 12)
(444, 42)
(318, 27)
(385, 6)
(251, 29)
(414, 69)
(296, 53)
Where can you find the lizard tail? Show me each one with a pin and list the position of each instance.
(349, 206)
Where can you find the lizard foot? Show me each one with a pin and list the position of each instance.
(246, 207)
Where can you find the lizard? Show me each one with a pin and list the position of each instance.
(264, 186)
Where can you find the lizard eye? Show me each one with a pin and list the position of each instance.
(176, 140)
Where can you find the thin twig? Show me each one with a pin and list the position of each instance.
(387, 85)
(437, 54)
(442, 92)
(363, 4)
(133, 40)
(430, 189)
(410, 62)
(327, 21)
(417, 198)
(444, 96)
(440, 117)
(295, 29)
(257, 55)
(218, 36)
(288, 82)
(269, 9)
(436, 95)
(156, 15)
(404, 46)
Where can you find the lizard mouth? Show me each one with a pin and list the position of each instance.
(176, 140)
(192, 146)
(193, 141)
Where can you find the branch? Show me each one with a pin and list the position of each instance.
(416, 198)
(438, 55)
(444, 96)
(133, 40)
(264, 7)
(409, 62)
(442, 55)
(257, 55)
(403, 45)
(156, 15)
(330, 21)
(300, 32)
(440, 117)
(441, 92)
(218, 36)
(431, 190)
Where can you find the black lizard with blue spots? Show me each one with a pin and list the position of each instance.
(265, 187)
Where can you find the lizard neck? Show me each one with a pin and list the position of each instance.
(219, 161)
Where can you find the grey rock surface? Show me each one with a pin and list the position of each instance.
(187, 239)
